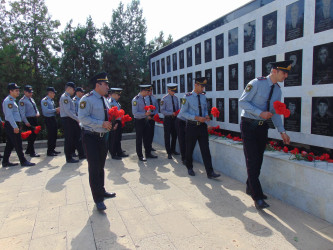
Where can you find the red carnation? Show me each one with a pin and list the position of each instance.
(281, 109)
(150, 107)
(113, 113)
(25, 135)
(285, 149)
(177, 112)
(3, 124)
(215, 112)
(37, 129)
(157, 118)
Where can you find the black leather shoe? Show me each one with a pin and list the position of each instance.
(74, 155)
(109, 195)
(9, 164)
(116, 157)
(34, 155)
(261, 204)
(82, 157)
(72, 161)
(191, 172)
(213, 175)
(52, 154)
(142, 159)
(169, 156)
(153, 149)
(175, 153)
(100, 206)
(56, 152)
(27, 164)
(248, 192)
(123, 155)
(151, 156)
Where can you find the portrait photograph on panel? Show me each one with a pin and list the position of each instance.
(189, 56)
(153, 68)
(158, 67)
(175, 80)
(250, 36)
(295, 20)
(269, 29)
(208, 50)
(159, 87)
(154, 87)
(174, 61)
(168, 64)
(197, 74)
(322, 116)
(220, 107)
(219, 48)
(324, 15)
(181, 59)
(197, 52)
(163, 65)
(219, 78)
(233, 110)
(208, 74)
(323, 64)
(293, 122)
(163, 86)
(182, 84)
(295, 73)
(249, 71)
(169, 80)
(233, 76)
(266, 65)
(233, 42)
(189, 82)
(209, 105)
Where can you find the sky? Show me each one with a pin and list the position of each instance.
(175, 17)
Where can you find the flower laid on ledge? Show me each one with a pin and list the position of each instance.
(37, 129)
(281, 109)
(150, 107)
(157, 119)
(124, 119)
(213, 131)
(25, 135)
(215, 112)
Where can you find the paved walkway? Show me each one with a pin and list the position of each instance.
(158, 206)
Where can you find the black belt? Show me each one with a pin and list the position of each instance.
(254, 121)
(99, 134)
(195, 123)
(169, 116)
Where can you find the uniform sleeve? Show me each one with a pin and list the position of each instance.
(246, 98)
(277, 119)
(22, 111)
(163, 108)
(85, 117)
(9, 114)
(135, 108)
(184, 111)
(67, 108)
(45, 108)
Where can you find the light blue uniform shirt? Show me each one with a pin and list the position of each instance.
(166, 104)
(27, 109)
(154, 103)
(67, 108)
(138, 107)
(253, 101)
(91, 112)
(11, 111)
(76, 101)
(48, 108)
(114, 103)
(190, 108)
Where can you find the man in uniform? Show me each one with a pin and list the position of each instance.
(194, 110)
(79, 92)
(70, 122)
(257, 104)
(181, 128)
(169, 107)
(151, 100)
(142, 127)
(29, 113)
(93, 115)
(12, 120)
(115, 136)
(49, 111)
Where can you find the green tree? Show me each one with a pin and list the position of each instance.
(159, 42)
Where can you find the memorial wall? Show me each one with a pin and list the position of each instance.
(239, 46)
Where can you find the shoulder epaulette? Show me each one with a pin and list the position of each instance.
(189, 94)
(165, 96)
(262, 78)
(136, 97)
(89, 94)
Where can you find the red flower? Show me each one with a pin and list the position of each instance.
(124, 119)
(286, 113)
(121, 113)
(157, 119)
(37, 129)
(113, 113)
(310, 158)
(177, 112)
(330, 160)
(150, 107)
(324, 157)
(295, 151)
(215, 112)
(281, 109)
(25, 135)
(3, 124)
(229, 136)
(304, 153)
(272, 143)
(285, 149)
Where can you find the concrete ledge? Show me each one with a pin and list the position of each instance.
(306, 185)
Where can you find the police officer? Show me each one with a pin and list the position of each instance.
(79, 93)
(12, 120)
(93, 115)
(70, 122)
(29, 113)
(151, 100)
(115, 136)
(169, 107)
(195, 111)
(49, 111)
(142, 127)
(181, 129)
(257, 104)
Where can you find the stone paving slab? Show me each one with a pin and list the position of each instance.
(158, 206)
